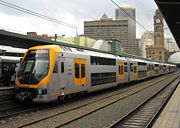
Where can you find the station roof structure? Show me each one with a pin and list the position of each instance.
(175, 58)
(23, 41)
(170, 10)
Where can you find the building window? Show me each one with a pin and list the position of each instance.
(160, 57)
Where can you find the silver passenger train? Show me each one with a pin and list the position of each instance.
(51, 72)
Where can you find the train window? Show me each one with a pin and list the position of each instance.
(125, 67)
(121, 68)
(102, 78)
(80, 50)
(76, 65)
(66, 48)
(55, 70)
(131, 67)
(83, 70)
(62, 67)
(141, 63)
(135, 69)
(102, 61)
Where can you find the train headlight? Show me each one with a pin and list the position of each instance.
(39, 91)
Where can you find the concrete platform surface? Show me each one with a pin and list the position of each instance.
(7, 87)
(170, 116)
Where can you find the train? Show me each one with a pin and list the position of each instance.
(52, 72)
(7, 62)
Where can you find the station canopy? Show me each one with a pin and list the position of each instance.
(170, 9)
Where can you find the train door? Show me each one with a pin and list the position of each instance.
(62, 73)
(127, 70)
(80, 72)
(120, 70)
(135, 73)
(148, 69)
(131, 71)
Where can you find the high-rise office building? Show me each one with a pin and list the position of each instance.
(129, 13)
(107, 29)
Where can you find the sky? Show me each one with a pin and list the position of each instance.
(73, 12)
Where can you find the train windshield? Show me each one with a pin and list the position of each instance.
(34, 67)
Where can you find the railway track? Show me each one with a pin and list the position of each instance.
(20, 109)
(9, 108)
(88, 107)
(143, 115)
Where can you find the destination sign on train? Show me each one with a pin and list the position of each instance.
(39, 51)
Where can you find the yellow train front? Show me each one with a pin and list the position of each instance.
(35, 73)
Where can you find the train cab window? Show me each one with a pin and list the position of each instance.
(76, 65)
(29, 66)
(83, 68)
(55, 70)
(62, 67)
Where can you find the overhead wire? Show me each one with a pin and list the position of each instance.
(38, 15)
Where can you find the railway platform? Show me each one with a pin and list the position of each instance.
(7, 90)
(170, 116)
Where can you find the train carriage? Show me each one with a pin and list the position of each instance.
(6, 63)
(51, 72)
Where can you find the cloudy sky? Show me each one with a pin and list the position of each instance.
(73, 12)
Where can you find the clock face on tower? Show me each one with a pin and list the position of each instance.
(158, 20)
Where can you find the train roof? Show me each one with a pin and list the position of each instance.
(12, 49)
(9, 59)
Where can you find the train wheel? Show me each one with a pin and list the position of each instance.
(59, 100)
(62, 98)
(83, 93)
(71, 95)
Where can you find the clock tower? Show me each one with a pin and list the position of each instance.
(158, 29)
(157, 51)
